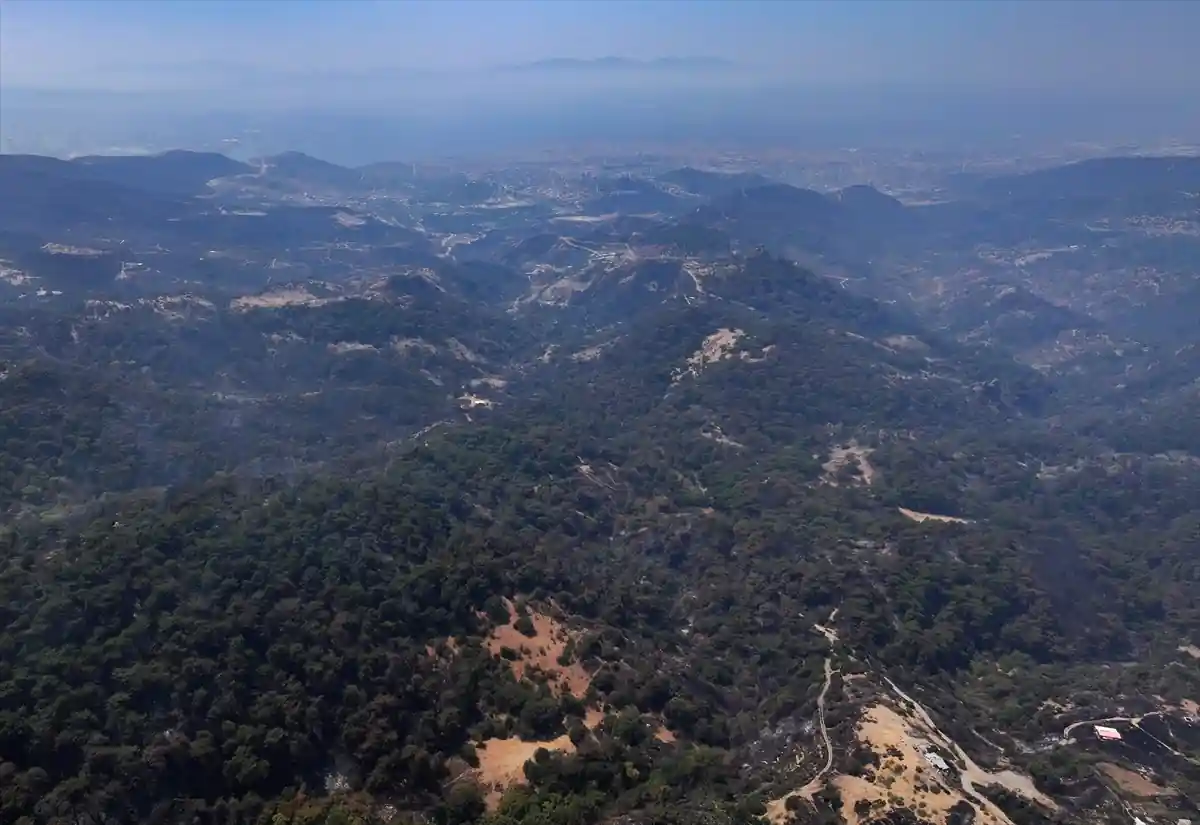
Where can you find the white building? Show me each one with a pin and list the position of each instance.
(937, 761)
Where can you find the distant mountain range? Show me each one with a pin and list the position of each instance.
(624, 63)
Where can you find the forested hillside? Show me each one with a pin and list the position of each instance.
(374, 496)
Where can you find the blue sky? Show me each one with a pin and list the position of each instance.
(222, 44)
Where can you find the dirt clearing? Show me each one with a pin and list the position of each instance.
(903, 778)
(714, 348)
(918, 516)
(343, 347)
(908, 342)
(278, 298)
(842, 456)
(919, 768)
(469, 401)
(908, 777)
(502, 763)
(541, 652)
(1133, 783)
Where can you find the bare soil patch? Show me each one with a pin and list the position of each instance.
(502, 763)
(493, 381)
(470, 401)
(909, 342)
(343, 347)
(404, 345)
(1132, 782)
(714, 433)
(918, 516)
(1190, 650)
(593, 717)
(907, 780)
(905, 776)
(828, 632)
(76, 251)
(278, 298)
(840, 456)
(541, 652)
(716, 347)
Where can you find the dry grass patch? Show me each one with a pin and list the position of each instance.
(1132, 782)
(278, 298)
(542, 652)
(343, 347)
(908, 342)
(906, 780)
(918, 516)
(903, 777)
(502, 763)
(716, 347)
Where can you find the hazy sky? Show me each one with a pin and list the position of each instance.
(1139, 45)
(376, 79)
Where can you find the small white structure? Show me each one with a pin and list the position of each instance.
(937, 761)
(1108, 734)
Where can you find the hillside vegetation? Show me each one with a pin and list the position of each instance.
(429, 503)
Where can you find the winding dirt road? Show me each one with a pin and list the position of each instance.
(777, 809)
(1135, 721)
(814, 784)
(971, 773)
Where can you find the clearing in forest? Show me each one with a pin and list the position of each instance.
(502, 763)
(903, 778)
(840, 456)
(278, 298)
(1133, 783)
(469, 401)
(918, 516)
(714, 348)
(542, 651)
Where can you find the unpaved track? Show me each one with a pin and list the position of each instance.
(1136, 721)
(1133, 720)
(972, 773)
(814, 784)
(777, 809)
